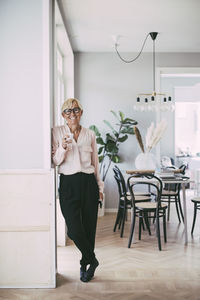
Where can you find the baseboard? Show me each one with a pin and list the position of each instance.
(37, 286)
(111, 210)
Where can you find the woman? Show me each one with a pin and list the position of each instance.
(75, 152)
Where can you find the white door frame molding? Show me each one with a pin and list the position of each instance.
(170, 70)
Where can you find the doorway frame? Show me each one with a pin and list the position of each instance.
(62, 43)
(169, 70)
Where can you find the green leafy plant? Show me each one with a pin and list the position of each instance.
(109, 146)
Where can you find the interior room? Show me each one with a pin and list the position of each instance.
(135, 68)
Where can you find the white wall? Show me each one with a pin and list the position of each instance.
(27, 209)
(104, 83)
(21, 84)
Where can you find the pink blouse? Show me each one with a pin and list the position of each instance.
(83, 156)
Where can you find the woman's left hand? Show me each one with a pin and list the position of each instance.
(101, 196)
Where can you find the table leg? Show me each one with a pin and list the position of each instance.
(185, 213)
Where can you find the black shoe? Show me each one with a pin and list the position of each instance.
(83, 273)
(90, 272)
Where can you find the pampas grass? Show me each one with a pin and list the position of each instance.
(139, 138)
(154, 134)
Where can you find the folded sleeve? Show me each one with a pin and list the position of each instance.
(95, 162)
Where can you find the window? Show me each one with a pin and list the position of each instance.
(59, 87)
(187, 128)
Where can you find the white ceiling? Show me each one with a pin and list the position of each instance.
(91, 24)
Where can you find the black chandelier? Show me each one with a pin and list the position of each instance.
(151, 101)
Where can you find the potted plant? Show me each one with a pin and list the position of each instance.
(109, 146)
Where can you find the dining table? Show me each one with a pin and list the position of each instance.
(177, 178)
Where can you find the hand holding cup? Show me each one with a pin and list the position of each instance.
(67, 141)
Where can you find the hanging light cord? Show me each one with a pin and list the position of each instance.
(130, 61)
(154, 69)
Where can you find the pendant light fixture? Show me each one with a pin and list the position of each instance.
(151, 101)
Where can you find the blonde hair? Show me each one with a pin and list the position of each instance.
(69, 102)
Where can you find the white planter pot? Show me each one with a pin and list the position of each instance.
(146, 161)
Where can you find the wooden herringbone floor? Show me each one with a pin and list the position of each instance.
(141, 272)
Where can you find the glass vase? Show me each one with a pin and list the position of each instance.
(145, 161)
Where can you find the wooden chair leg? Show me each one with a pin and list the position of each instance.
(132, 230)
(168, 211)
(180, 207)
(117, 220)
(177, 210)
(123, 222)
(140, 224)
(158, 231)
(143, 227)
(120, 221)
(164, 227)
(194, 217)
(154, 217)
(147, 222)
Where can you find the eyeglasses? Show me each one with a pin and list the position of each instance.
(75, 110)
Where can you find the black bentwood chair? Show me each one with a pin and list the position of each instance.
(196, 201)
(171, 194)
(143, 210)
(125, 200)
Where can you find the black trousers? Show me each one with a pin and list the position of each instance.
(79, 194)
